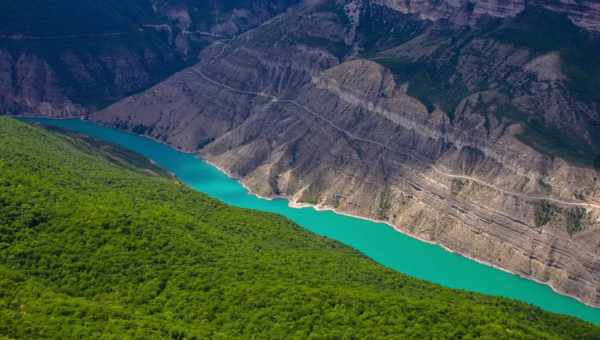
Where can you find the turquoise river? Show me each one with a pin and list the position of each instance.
(376, 240)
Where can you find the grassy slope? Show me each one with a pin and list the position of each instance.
(89, 248)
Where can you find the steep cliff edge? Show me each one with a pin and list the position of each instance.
(482, 138)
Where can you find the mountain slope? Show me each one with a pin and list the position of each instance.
(91, 248)
(479, 134)
(69, 58)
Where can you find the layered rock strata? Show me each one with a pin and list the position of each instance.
(292, 109)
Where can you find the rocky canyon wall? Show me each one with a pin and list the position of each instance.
(453, 134)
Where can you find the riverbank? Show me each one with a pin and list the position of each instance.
(295, 204)
(384, 243)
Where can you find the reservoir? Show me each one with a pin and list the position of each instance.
(375, 240)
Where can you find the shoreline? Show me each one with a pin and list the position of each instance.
(292, 203)
(317, 207)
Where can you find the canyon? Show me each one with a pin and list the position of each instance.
(469, 124)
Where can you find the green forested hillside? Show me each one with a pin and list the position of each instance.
(92, 247)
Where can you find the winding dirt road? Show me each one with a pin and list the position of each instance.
(385, 147)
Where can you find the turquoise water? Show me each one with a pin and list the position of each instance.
(376, 240)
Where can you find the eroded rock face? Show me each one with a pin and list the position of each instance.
(477, 160)
(74, 57)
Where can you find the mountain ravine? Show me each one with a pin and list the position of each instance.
(470, 124)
